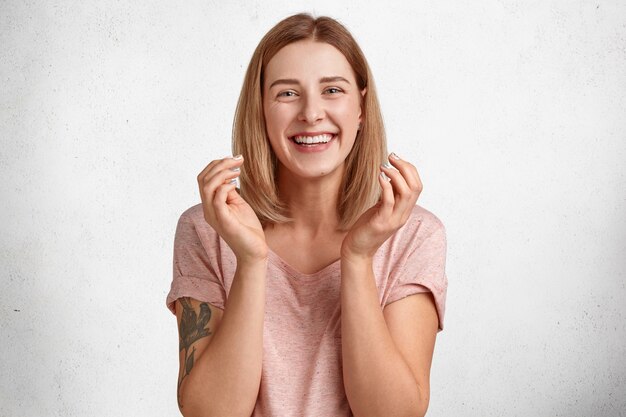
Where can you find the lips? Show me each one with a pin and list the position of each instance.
(313, 143)
(309, 139)
(313, 133)
(312, 140)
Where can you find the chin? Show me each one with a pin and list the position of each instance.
(318, 172)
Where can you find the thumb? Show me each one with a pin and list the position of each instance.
(233, 197)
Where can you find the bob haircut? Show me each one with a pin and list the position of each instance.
(359, 189)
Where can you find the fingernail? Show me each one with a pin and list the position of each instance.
(235, 169)
(387, 165)
(237, 156)
(235, 181)
(385, 177)
(394, 156)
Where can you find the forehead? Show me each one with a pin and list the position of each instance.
(308, 58)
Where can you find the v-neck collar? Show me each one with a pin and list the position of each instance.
(282, 264)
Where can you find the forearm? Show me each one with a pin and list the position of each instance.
(377, 379)
(226, 378)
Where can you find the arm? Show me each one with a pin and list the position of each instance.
(222, 380)
(386, 355)
(383, 376)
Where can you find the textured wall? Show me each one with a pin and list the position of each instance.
(513, 112)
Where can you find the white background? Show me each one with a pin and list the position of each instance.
(513, 112)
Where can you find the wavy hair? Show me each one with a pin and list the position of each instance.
(359, 189)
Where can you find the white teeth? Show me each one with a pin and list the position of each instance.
(313, 139)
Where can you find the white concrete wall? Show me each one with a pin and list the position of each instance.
(512, 111)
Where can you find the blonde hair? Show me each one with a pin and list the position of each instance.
(359, 189)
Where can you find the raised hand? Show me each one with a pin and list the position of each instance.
(228, 213)
(399, 195)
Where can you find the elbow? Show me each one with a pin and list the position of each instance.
(191, 408)
(419, 410)
(187, 408)
(421, 404)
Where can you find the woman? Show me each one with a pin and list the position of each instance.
(318, 289)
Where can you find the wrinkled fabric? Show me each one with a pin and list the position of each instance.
(302, 364)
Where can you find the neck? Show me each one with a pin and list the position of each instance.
(312, 202)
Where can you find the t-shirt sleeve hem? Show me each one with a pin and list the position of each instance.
(197, 288)
(439, 296)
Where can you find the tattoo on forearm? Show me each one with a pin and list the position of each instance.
(192, 328)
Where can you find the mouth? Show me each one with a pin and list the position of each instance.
(312, 141)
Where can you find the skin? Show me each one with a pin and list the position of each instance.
(309, 183)
(306, 104)
(193, 327)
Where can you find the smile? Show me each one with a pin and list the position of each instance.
(312, 140)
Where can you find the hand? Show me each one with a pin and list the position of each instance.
(399, 195)
(228, 213)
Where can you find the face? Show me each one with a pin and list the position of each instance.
(312, 108)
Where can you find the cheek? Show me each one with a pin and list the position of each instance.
(277, 118)
(348, 110)
(276, 125)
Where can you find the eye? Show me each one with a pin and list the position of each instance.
(286, 94)
(333, 90)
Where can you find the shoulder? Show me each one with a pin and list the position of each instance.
(423, 228)
(193, 214)
(192, 219)
(426, 218)
(421, 224)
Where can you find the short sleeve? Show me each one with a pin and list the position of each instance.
(424, 270)
(196, 269)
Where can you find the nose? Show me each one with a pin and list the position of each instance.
(312, 110)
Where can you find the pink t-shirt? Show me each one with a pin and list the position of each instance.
(302, 364)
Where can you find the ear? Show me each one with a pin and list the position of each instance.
(363, 91)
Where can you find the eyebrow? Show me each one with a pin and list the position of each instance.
(322, 80)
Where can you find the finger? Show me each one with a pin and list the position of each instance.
(412, 179)
(387, 199)
(209, 186)
(404, 197)
(222, 211)
(219, 165)
(207, 168)
(409, 172)
(233, 195)
(398, 182)
(227, 164)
